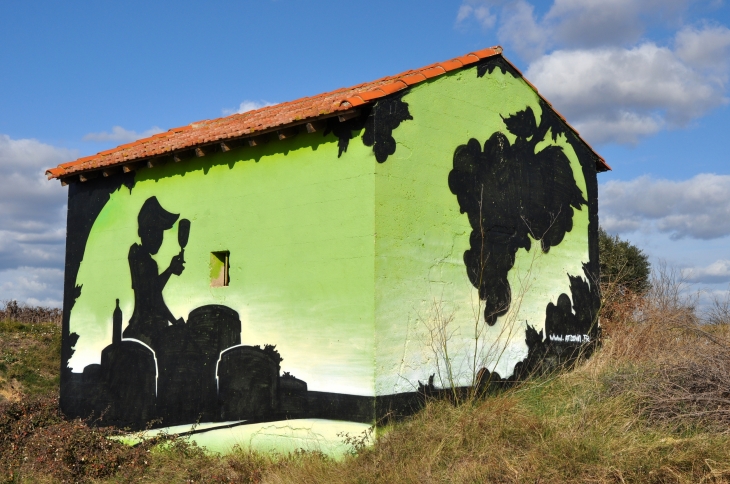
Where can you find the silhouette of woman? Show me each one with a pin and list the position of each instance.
(151, 315)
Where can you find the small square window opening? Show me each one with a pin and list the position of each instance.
(219, 264)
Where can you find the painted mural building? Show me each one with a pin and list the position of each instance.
(307, 268)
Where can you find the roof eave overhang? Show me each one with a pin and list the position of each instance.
(201, 149)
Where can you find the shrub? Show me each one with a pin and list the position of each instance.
(623, 265)
(23, 313)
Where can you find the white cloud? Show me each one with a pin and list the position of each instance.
(32, 285)
(28, 201)
(591, 60)
(464, 13)
(571, 24)
(247, 105)
(521, 31)
(620, 126)
(697, 208)
(717, 272)
(479, 10)
(32, 219)
(596, 23)
(707, 48)
(621, 95)
(121, 135)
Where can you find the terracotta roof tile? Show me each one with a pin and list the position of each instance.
(433, 71)
(414, 78)
(393, 87)
(266, 119)
(468, 59)
(370, 95)
(452, 64)
(355, 101)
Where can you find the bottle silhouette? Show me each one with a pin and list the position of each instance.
(117, 325)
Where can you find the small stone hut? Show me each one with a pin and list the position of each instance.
(309, 268)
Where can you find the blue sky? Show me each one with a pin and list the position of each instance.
(646, 82)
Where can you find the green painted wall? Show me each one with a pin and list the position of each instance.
(421, 238)
(298, 223)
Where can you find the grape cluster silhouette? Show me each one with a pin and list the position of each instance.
(512, 195)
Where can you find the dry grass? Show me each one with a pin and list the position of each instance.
(652, 404)
(30, 359)
(673, 359)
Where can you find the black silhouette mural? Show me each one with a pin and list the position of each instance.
(385, 117)
(79, 395)
(344, 130)
(379, 122)
(151, 315)
(567, 322)
(513, 195)
(160, 370)
(166, 369)
(488, 66)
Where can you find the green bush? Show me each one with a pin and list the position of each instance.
(623, 265)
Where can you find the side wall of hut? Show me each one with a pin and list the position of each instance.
(486, 234)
